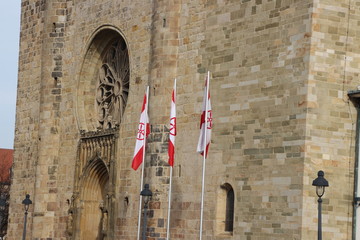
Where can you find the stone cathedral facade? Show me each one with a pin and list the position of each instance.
(280, 74)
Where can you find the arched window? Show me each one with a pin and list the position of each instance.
(229, 215)
(104, 81)
(225, 209)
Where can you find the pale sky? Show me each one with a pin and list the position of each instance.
(9, 52)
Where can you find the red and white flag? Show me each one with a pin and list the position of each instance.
(172, 133)
(206, 119)
(142, 133)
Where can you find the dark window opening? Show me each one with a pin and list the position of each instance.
(229, 219)
(229, 199)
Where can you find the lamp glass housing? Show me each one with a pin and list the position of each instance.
(146, 199)
(320, 190)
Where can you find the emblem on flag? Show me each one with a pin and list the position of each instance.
(142, 132)
(205, 132)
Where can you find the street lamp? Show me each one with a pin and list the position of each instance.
(146, 194)
(320, 183)
(26, 203)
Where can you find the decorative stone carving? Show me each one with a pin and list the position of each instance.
(113, 85)
(94, 183)
(69, 224)
(70, 219)
(104, 218)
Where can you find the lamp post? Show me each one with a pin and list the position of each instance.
(320, 183)
(26, 203)
(146, 194)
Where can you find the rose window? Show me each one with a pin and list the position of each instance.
(113, 85)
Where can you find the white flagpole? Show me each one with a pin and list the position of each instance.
(143, 162)
(204, 155)
(170, 188)
(169, 205)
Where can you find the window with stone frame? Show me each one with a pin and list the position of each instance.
(225, 209)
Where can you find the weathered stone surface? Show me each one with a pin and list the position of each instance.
(280, 72)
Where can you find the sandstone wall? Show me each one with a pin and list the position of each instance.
(331, 118)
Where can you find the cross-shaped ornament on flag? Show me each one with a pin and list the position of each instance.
(141, 132)
(209, 119)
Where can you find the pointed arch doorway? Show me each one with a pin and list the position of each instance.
(94, 201)
(91, 212)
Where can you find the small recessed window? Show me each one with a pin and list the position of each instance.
(229, 217)
(225, 209)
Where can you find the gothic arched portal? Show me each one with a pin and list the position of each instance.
(102, 92)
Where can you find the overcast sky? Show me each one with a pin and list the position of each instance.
(9, 51)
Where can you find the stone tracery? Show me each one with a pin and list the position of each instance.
(113, 85)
